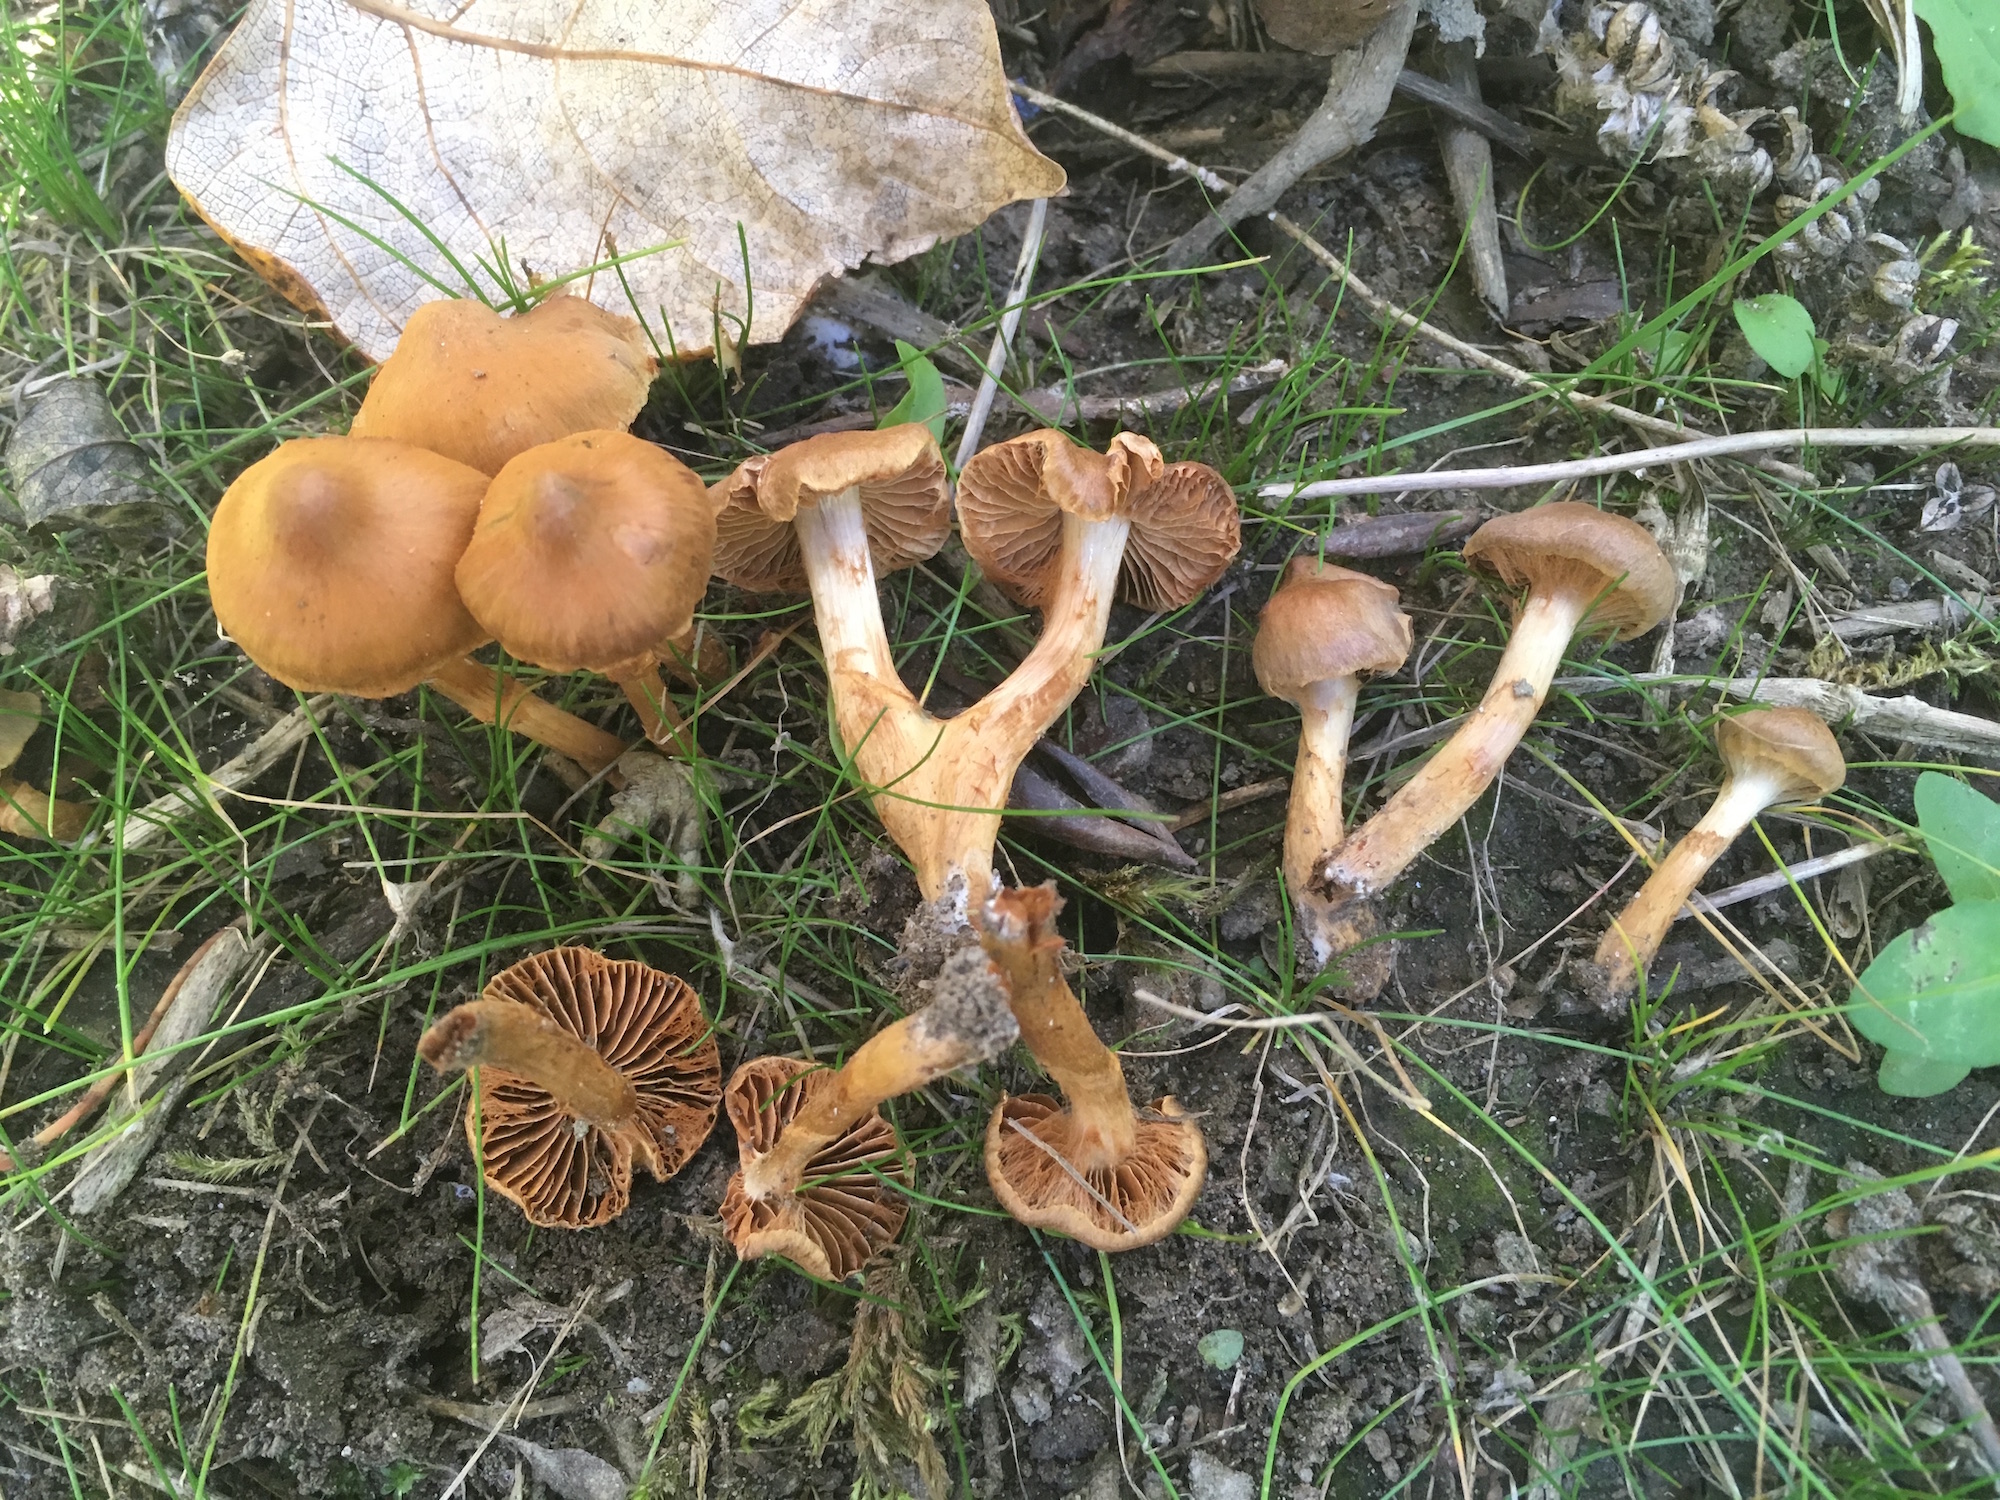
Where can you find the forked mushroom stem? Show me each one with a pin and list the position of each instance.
(519, 1039)
(967, 1022)
(1017, 932)
(1451, 781)
(939, 784)
(493, 698)
(1314, 822)
(1635, 934)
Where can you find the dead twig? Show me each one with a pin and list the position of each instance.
(1359, 84)
(1003, 336)
(1468, 165)
(1383, 308)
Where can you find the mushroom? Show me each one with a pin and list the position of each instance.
(1056, 525)
(819, 1163)
(590, 555)
(1771, 756)
(1324, 630)
(25, 812)
(1089, 1165)
(481, 388)
(587, 1065)
(330, 563)
(1583, 571)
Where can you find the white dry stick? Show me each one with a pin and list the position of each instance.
(144, 825)
(1784, 876)
(1906, 718)
(1003, 338)
(1381, 306)
(1732, 445)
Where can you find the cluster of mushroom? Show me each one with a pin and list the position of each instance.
(1572, 571)
(488, 491)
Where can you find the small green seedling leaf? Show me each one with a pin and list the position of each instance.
(1966, 34)
(924, 401)
(1780, 329)
(1933, 999)
(1962, 829)
(1220, 1349)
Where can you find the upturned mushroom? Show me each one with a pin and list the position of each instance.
(1088, 1165)
(590, 555)
(330, 563)
(819, 1163)
(1771, 757)
(588, 1066)
(481, 388)
(1575, 570)
(1325, 630)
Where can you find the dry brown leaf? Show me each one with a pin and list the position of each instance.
(830, 130)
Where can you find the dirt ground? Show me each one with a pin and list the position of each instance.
(638, 1356)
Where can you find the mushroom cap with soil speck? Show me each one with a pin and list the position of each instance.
(481, 388)
(1029, 1154)
(1566, 544)
(330, 563)
(905, 503)
(591, 552)
(1013, 497)
(647, 1025)
(1791, 745)
(846, 1211)
(1324, 622)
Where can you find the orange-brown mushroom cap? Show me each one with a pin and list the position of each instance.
(330, 563)
(1012, 498)
(905, 503)
(1791, 745)
(1030, 1162)
(564, 1172)
(1578, 547)
(844, 1212)
(481, 388)
(590, 552)
(1324, 622)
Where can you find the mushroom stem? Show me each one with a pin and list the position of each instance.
(493, 698)
(519, 1039)
(894, 1061)
(1018, 935)
(664, 726)
(1451, 781)
(983, 747)
(1314, 824)
(967, 1021)
(1635, 934)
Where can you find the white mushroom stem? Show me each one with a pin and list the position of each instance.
(1636, 933)
(939, 785)
(1451, 781)
(1314, 824)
